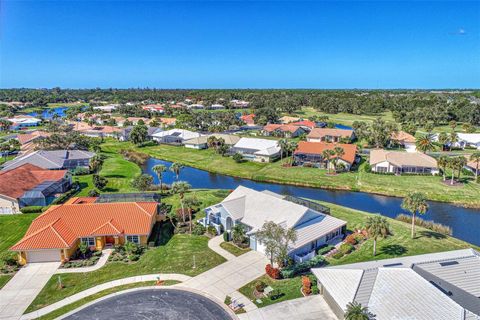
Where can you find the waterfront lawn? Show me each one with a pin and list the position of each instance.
(206, 198)
(233, 249)
(63, 310)
(12, 229)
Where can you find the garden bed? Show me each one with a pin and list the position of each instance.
(79, 260)
(234, 249)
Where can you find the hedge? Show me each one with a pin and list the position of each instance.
(31, 209)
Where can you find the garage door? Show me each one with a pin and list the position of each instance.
(260, 247)
(43, 256)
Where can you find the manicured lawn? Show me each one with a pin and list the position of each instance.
(359, 180)
(4, 279)
(12, 229)
(55, 314)
(5, 159)
(233, 249)
(206, 197)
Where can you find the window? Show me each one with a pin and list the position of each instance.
(134, 239)
(89, 241)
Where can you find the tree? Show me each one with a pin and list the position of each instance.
(96, 163)
(443, 163)
(377, 227)
(238, 234)
(276, 240)
(83, 248)
(283, 143)
(453, 124)
(291, 147)
(142, 182)
(327, 156)
(238, 157)
(355, 311)
(180, 188)
(5, 125)
(453, 139)
(139, 133)
(475, 158)
(339, 153)
(452, 165)
(443, 139)
(175, 168)
(415, 203)
(425, 143)
(99, 182)
(460, 162)
(159, 169)
(190, 203)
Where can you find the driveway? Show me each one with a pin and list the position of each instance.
(309, 308)
(22, 289)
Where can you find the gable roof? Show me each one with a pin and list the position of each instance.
(304, 123)
(288, 119)
(230, 139)
(60, 226)
(256, 144)
(48, 159)
(248, 119)
(281, 127)
(15, 182)
(402, 137)
(350, 150)
(180, 133)
(401, 159)
(318, 133)
(24, 138)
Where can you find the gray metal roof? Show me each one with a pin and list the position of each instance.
(48, 159)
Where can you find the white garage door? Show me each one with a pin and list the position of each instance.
(43, 256)
(260, 247)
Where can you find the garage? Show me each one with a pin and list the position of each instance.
(43, 256)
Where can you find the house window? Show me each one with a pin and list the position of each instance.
(89, 241)
(134, 239)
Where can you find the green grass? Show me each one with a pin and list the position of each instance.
(358, 180)
(61, 311)
(5, 159)
(4, 279)
(12, 229)
(233, 249)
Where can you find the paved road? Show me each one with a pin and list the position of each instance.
(165, 304)
(21, 290)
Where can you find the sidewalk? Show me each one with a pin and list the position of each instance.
(214, 244)
(100, 263)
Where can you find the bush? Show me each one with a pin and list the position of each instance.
(346, 248)
(338, 255)
(93, 193)
(306, 285)
(367, 168)
(302, 267)
(211, 230)
(80, 171)
(272, 272)
(238, 157)
(275, 294)
(260, 286)
(198, 229)
(324, 250)
(437, 227)
(32, 209)
(359, 237)
(351, 239)
(225, 237)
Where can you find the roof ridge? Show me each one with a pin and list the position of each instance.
(58, 234)
(37, 232)
(146, 212)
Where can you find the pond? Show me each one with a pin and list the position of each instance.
(49, 113)
(464, 222)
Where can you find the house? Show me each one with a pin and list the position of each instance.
(174, 136)
(202, 141)
(306, 124)
(398, 162)
(248, 119)
(472, 167)
(23, 121)
(167, 122)
(216, 107)
(330, 135)
(56, 234)
(29, 185)
(125, 133)
(133, 120)
(102, 132)
(444, 285)
(405, 140)
(288, 119)
(259, 150)
(239, 103)
(464, 140)
(28, 140)
(107, 108)
(311, 154)
(283, 130)
(52, 159)
(196, 106)
(252, 209)
(158, 108)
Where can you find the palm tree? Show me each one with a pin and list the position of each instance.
(292, 146)
(475, 157)
(453, 139)
(415, 203)
(339, 153)
(96, 163)
(159, 169)
(327, 156)
(443, 163)
(461, 161)
(283, 143)
(355, 311)
(425, 143)
(453, 124)
(377, 227)
(443, 139)
(180, 188)
(175, 168)
(452, 164)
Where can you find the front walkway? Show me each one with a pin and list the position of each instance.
(21, 290)
(308, 308)
(100, 263)
(214, 244)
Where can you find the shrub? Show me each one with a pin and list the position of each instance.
(238, 157)
(351, 239)
(275, 294)
(437, 227)
(302, 267)
(211, 230)
(367, 168)
(306, 285)
(272, 272)
(359, 237)
(260, 286)
(325, 250)
(31, 209)
(80, 171)
(225, 237)
(198, 229)
(346, 248)
(338, 255)
(93, 193)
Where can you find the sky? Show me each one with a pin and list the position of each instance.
(233, 44)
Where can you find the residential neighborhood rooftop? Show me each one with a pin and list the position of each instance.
(400, 158)
(319, 133)
(48, 159)
(350, 150)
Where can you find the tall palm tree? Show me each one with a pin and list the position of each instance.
(159, 169)
(283, 146)
(96, 163)
(180, 188)
(443, 139)
(452, 165)
(425, 143)
(292, 146)
(339, 153)
(453, 139)
(326, 158)
(443, 163)
(415, 203)
(475, 157)
(175, 168)
(355, 311)
(377, 227)
(461, 161)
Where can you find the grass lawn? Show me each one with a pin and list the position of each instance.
(12, 229)
(4, 279)
(359, 180)
(5, 159)
(233, 249)
(55, 314)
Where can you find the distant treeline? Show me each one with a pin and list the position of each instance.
(412, 106)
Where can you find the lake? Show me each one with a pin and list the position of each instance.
(48, 113)
(464, 222)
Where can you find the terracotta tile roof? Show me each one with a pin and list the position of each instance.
(60, 226)
(304, 123)
(81, 200)
(400, 159)
(402, 137)
(288, 119)
(319, 133)
(318, 147)
(24, 138)
(14, 183)
(281, 127)
(167, 121)
(248, 118)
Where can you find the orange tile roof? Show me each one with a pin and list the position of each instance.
(14, 183)
(318, 147)
(28, 137)
(248, 118)
(304, 123)
(322, 132)
(167, 121)
(81, 200)
(60, 226)
(282, 127)
(402, 136)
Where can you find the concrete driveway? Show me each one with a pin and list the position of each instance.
(309, 308)
(21, 290)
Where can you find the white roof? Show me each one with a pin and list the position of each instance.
(181, 133)
(20, 119)
(263, 146)
(469, 137)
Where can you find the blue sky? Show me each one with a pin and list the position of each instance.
(229, 44)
